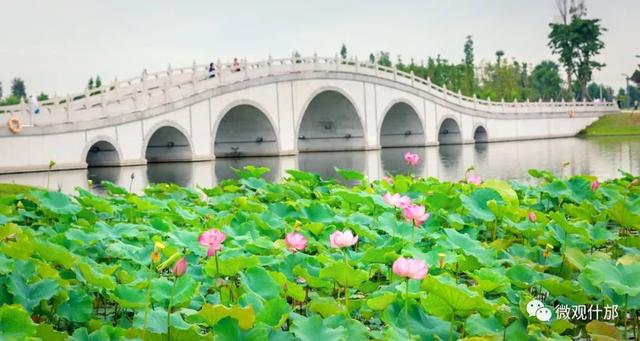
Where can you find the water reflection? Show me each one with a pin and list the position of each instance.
(601, 157)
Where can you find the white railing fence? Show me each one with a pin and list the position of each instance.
(154, 89)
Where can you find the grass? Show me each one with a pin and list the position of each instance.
(623, 123)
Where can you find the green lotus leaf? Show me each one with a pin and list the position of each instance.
(78, 307)
(26, 292)
(314, 328)
(504, 189)
(130, 297)
(445, 298)
(93, 277)
(326, 306)
(344, 274)
(381, 301)
(46, 332)
(15, 323)
(275, 312)
(56, 202)
(623, 279)
(179, 293)
(484, 326)
(211, 314)
(258, 281)
(477, 203)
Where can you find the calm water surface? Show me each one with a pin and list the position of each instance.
(503, 160)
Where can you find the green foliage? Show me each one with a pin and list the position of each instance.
(343, 52)
(18, 88)
(576, 43)
(79, 266)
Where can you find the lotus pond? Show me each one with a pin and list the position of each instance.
(255, 260)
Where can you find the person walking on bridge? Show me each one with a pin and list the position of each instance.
(212, 70)
(236, 65)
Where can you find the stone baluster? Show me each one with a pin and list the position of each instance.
(116, 90)
(87, 94)
(243, 65)
(356, 63)
(269, 63)
(459, 97)
(67, 105)
(315, 60)
(475, 101)
(219, 67)
(144, 79)
(338, 60)
(169, 75)
(502, 104)
(293, 61)
(375, 65)
(413, 78)
(395, 72)
(444, 90)
(429, 82)
(194, 72)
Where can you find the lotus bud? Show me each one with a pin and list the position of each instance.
(296, 226)
(532, 216)
(441, 260)
(89, 183)
(155, 257)
(180, 267)
(133, 175)
(52, 164)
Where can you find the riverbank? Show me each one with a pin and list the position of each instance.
(622, 123)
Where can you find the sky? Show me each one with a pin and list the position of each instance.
(55, 46)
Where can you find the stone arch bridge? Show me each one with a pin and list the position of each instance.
(271, 107)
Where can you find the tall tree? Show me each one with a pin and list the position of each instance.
(0, 90)
(90, 85)
(561, 42)
(587, 41)
(545, 81)
(17, 88)
(98, 81)
(343, 51)
(499, 55)
(469, 74)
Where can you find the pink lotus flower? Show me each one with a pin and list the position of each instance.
(410, 268)
(532, 216)
(415, 214)
(595, 185)
(213, 240)
(295, 241)
(474, 179)
(180, 267)
(411, 159)
(396, 200)
(342, 239)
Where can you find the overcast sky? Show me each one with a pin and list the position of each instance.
(55, 46)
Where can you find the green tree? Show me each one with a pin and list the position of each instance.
(0, 90)
(469, 72)
(90, 85)
(343, 51)
(545, 81)
(18, 88)
(499, 55)
(561, 43)
(587, 41)
(43, 96)
(98, 81)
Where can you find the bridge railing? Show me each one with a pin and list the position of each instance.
(154, 89)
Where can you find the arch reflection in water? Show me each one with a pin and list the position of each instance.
(223, 168)
(324, 164)
(180, 173)
(393, 161)
(451, 163)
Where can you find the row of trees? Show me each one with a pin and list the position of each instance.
(505, 78)
(18, 90)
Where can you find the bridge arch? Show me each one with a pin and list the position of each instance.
(449, 131)
(401, 125)
(330, 121)
(480, 134)
(245, 129)
(167, 141)
(102, 151)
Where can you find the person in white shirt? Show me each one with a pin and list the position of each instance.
(35, 106)
(212, 70)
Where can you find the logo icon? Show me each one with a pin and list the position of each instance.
(536, 308)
